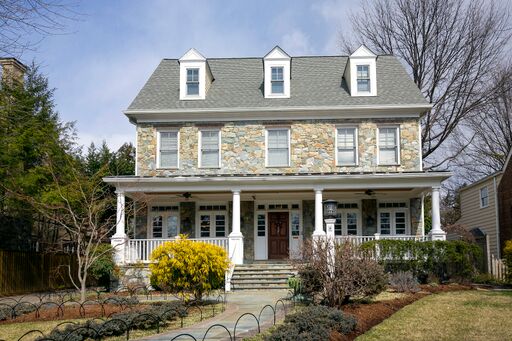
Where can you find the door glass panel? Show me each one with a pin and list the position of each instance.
(157, 227)
(385, 223)
(400, 222)
(352, 224)
(172, 226)
(220, 225)
(295, 224)
(205, 226)
(261, 225)
(337, 225)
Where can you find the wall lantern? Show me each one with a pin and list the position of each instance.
(330, 209)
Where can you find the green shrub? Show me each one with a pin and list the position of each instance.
(104, 266)
(313, 323)
(507, 254)
(186, 266)
(444, 259)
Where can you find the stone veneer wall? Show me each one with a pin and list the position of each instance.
(416, 221)
(369, 215)
(308, 218)
(188, 218)
(312, 148)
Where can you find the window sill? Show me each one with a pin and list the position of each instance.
(167, 168)
(282, 166)
(389, 164)
(348, 165)
(202, 167)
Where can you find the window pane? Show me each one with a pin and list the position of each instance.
(278, 157)
(388, 156)
(169, 140)
(277, 87)
(385, 223)
(220, 225)
(210, 159)
(209, 148)
(362, 71)
(337, 225)
(295, 224)
(352, 224)
(205, 226)
(346, 157)
(261, 225)
(387, 137)
(400, 222)
(192, 75)
(157, 227)
(172, 226)
(168, 159)
(192, 88)
(363, 85)
(277, 73)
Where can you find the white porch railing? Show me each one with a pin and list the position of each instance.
(358, 240)
(139, 250)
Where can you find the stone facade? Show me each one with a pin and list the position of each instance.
(369, 215)
(312, 144)
(416, 218)
(247, 228)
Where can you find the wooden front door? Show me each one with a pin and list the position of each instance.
(278, 235)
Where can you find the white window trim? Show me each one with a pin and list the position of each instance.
(361, 92)
(199, 149)
(289, 147)
(198, 95)
(343, 212)
(212, 222)
(480, 196)
(158, 147)
(392, 211)
(277, 94)
(398, 142)
(356, 132)
(151, 214)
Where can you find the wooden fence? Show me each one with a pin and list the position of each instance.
(498, 268)
(23, 272)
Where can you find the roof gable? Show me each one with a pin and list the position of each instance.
(193, 55)
(363, 52)
(277, 53)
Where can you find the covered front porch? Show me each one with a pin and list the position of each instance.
(268, 217)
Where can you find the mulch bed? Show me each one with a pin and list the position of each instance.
(371, 314)
(72, 312)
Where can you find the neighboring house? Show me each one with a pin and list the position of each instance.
(486, 210)
(241, 152)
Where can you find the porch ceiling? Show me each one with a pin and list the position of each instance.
(342, 183)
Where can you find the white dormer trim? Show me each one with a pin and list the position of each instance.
(276, 58)
(361, 57)
(194, 60)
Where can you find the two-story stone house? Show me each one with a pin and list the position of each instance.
(241, 152)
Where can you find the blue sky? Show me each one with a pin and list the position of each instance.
(107, 55)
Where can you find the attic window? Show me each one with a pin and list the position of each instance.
(192, 82)
(277, 80)
(363, 78)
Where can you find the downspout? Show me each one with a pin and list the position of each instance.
(496, 203)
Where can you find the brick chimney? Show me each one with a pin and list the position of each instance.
(12, 70)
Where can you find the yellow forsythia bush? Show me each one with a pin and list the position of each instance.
(188, 267)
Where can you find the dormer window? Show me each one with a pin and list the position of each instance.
(276, 66)
(277, 80)
(193, 82)
(363, 78)
(361, 72)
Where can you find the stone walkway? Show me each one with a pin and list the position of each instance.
(238, 303)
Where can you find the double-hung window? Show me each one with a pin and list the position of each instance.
(388, 146)
(278, 147)
(484, 197)
(209, 156)
(346, 146)
(277, 80)
(168, 149)
(192, 82)
(363, 78)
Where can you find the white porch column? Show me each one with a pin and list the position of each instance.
(236, 239)
(436, 233)
(319, 214)
(119, 239)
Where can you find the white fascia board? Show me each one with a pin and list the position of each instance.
(283, 113)
(276, 183)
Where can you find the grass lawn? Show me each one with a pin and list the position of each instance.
(458, 315)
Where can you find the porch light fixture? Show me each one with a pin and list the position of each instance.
(330, 209)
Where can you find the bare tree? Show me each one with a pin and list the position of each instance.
(486, 137)
(23, 23)
(450, 48)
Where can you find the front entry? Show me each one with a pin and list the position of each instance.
(278, 235)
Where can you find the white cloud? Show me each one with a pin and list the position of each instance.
(296, 43)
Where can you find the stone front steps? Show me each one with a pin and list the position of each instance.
(261, 276)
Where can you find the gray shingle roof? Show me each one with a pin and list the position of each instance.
(315, 81)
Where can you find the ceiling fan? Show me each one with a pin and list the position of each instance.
(369, 193)
(186, 195)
